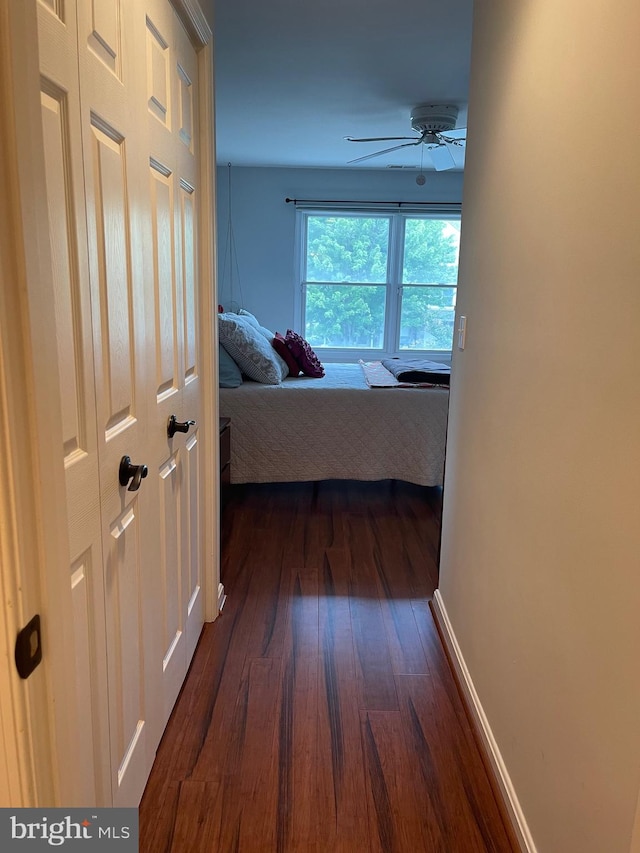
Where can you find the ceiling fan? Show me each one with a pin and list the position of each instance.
(436, 125)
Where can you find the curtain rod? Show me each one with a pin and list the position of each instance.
(388, 203)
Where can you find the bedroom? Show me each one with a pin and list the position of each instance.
(285, 140)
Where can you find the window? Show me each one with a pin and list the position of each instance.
(382, 282)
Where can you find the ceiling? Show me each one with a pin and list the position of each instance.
(294, 77)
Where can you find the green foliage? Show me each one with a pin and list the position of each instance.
(347, 248)
(349, 254)
(343, 315)
(426, 320)
(430, 252)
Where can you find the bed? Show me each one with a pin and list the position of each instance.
(336, 427)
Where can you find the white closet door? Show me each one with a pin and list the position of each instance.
(172, 103)
(186, 142)
(111, 36)
(60, 103)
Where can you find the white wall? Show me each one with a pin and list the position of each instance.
(540, 570)
(264, 225)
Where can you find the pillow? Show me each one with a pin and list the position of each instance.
(229, 375)
(251, 351)
(280, 346)
(308, 361)
(249, 318)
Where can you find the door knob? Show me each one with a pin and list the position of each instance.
(174, 426)
(135, 473)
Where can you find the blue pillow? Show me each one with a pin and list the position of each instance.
(228, 371)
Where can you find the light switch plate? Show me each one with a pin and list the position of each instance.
(462, 331)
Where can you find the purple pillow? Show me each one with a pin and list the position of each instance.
(280, 346)
(307, 359)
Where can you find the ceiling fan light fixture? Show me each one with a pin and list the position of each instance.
(434, 118)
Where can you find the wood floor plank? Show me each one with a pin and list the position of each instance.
(421, 555)
(438, 663)
(405, 647)
(297, 744)
(254, 767)
(397, 806)
(393, 568)
(202, 753)
(331, 504)
(449, 766)
(237, 557)
(195, 819)
(157, 813)
(336, 634)
(191, 720)
(271, 589)
(377, 691)
(303, 541)
(241, 795)
(373, 658)
(341, 792)
(340, 779)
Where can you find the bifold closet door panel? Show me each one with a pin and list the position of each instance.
(62, 137)
(172, 122)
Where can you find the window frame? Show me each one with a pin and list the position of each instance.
(397, 216)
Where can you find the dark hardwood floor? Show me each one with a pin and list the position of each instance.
(320, 713)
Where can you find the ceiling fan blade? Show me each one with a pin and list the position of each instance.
(458, 133)
(442, 158)
(377, 138)
(384, 151)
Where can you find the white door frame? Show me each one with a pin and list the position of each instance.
(36, 717)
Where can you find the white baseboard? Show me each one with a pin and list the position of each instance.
(499, 768)
(221, 597)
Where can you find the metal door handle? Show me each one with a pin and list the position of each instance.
(135, 473)
(174, 426)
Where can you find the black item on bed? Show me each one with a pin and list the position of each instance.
(418, 370)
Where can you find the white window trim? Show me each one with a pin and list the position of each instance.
(398, 217)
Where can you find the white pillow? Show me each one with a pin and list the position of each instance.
(250, 320)
(253, 320)
(251, 350)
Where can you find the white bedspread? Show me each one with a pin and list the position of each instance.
(335, 428)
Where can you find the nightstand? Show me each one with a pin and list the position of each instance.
(225, 460)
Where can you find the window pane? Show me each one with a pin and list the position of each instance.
(347, 248)
(426, 318)
(431, 249)
(342, 315)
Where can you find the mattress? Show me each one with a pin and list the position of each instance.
(336, 427)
